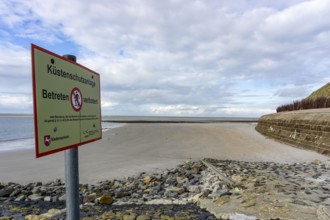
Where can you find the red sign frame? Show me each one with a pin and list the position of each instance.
(45, 138)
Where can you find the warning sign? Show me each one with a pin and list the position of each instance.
(76, 99)
(66, 96)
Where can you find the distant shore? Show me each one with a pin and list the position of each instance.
(168, 119)
(2, 115)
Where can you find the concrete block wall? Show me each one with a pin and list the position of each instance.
(308, 129)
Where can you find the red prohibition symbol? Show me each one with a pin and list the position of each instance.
(76, 99)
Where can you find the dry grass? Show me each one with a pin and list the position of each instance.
(318, 99)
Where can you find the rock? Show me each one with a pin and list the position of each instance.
(147, 180)
(143, 217)
(194, 181)
(237, 179)
(237, 191)
(261, 189)
(108, 215)
(249, 202)
(50, 214)
(32, 217)
(129, 217)
(182, 180)
(317, 175)
(181, 216)
(62, 198)
(193, 189)
(105, 199)
(195, 198)
(299, 202)
(43, 189)
(219, 192)
(5, 218)
(308, 192)
(38, 184)
(155, 190)
(175, 189)
(239, 216)
(222, 200)
(119, 193)
(271, 186)
(206, 192)
(59, 182)
(170, 194)
(326, 188)
(5, 192)
(166, 217)
(54, 212)
(20, 198)
(35, 197)
(135, 195)
(15, 193)
(47, 198)
(89, 198)
(323, 213)
(171, 181)
(36, 190)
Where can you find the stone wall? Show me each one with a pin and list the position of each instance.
(308, 129)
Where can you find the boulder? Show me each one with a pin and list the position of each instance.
(5, 192)
(105, 199)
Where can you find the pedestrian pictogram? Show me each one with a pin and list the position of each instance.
(76, 99)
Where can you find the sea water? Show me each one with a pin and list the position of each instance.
(17, 133)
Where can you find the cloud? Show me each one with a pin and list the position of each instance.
(180, 110)
(265, 64)
(177, 57)
(292, 92)
(15, 103)
(13, 56)
(299, 21)
(15, 69)
(244, 112)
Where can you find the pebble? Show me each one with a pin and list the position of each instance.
(176, 192)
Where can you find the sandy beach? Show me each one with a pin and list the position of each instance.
(134, 148)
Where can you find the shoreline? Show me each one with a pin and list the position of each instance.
(169, 119)
(150, 147)
(2, 115)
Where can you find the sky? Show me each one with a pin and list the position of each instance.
(213, 58)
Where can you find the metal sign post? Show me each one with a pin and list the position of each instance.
(72, 184)
(67, 113)
(72, 177)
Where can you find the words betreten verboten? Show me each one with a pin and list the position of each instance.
(64, 97)
(72, 76)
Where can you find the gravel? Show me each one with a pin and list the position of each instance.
(207, 189)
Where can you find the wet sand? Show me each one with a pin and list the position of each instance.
(146, 147)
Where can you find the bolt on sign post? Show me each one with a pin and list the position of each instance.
(67, 113)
